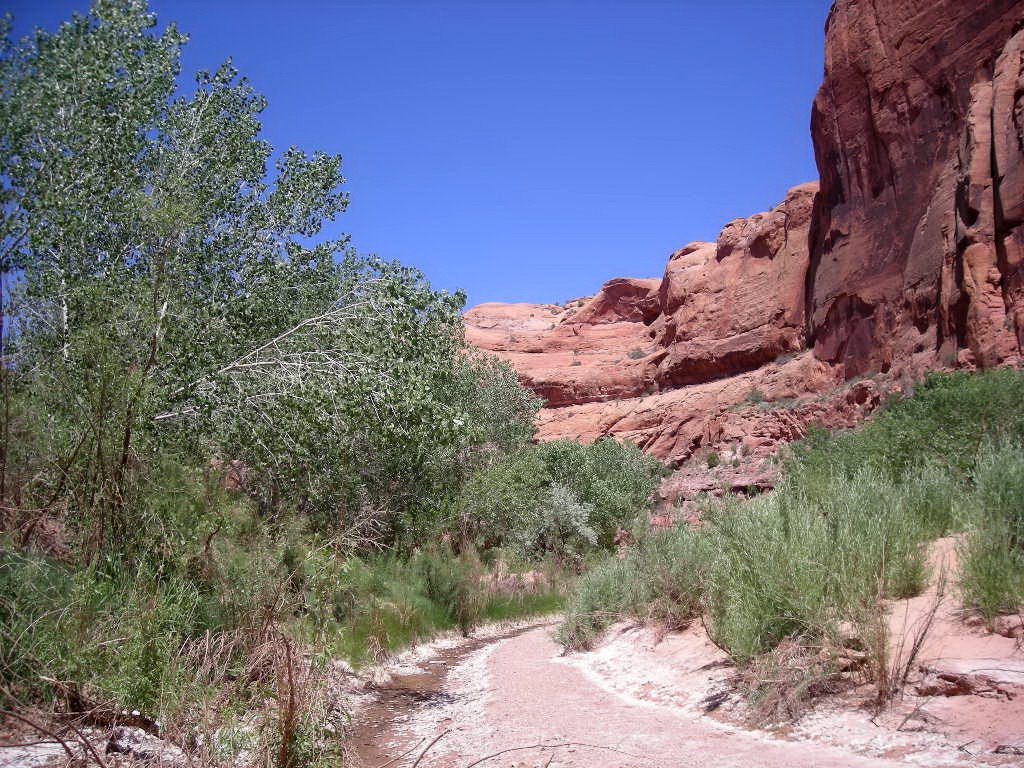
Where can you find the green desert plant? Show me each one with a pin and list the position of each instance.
(559, 497)
(992, 554)
(659, 580)
(847, 528)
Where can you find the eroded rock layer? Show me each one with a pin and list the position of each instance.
(711, 353)
(910, 257)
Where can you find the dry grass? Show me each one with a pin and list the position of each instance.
(784, 682)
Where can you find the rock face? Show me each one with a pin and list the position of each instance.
(735, 304)
(589, 351)
(909, 257)
(672, 364)
(918, 131)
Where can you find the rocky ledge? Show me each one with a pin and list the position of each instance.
(908, 257)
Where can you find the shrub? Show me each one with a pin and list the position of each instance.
(945, 422)
(847, 527)
(659, 580)
(602, 595)
(671, 566)
(453, 582)
(755, 396)
(559, 497)
(636, 353)
(713, 460)
(504, 500)
(615, 478)
(791, 564)
(992, 555)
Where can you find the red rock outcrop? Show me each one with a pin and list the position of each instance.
(735, 304)
(591, 350)
(910, 257)
(662, 362)
(919, 139)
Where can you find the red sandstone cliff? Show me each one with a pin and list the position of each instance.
(685, 361)
(910, 257)
(918, 131)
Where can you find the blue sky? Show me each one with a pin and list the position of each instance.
(526, 150)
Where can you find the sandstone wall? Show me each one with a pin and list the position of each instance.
(917, 131)
(909, 257)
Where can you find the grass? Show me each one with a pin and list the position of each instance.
(604, 594)
(231, 624)
(847, 529)
(799, 564)
(658, 580)
(992, 555)
(389, 603)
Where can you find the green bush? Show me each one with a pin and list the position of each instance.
(944, 422)
(559, 497)
(615, 478)
(789, 564)
(848, 526)
(992, 555)
(660, 579)
(116, 632)
(453, 583)
(602, 595)
(672, 567)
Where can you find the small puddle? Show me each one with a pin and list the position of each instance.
(376, 735)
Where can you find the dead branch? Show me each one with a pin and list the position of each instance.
(436, 739)
(394, 760)
(559, 745)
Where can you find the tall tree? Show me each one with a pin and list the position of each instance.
(172, 294)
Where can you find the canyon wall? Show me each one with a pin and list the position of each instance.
(918, 132)
(909, 257)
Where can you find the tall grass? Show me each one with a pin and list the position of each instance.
(232, 613)
(992, 554)
(659, 579)
(801, 564)
(813, 563)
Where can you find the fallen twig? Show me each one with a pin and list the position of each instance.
(913, 713)
(711, 638)
(560, 745)
(424, 752)
(394, 760)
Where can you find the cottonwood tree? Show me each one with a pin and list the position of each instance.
(170, 294)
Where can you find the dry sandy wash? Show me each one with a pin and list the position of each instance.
(646, 700)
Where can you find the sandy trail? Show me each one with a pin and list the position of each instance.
(520, 691)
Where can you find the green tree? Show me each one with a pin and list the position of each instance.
(171, 295)
(561, 497)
